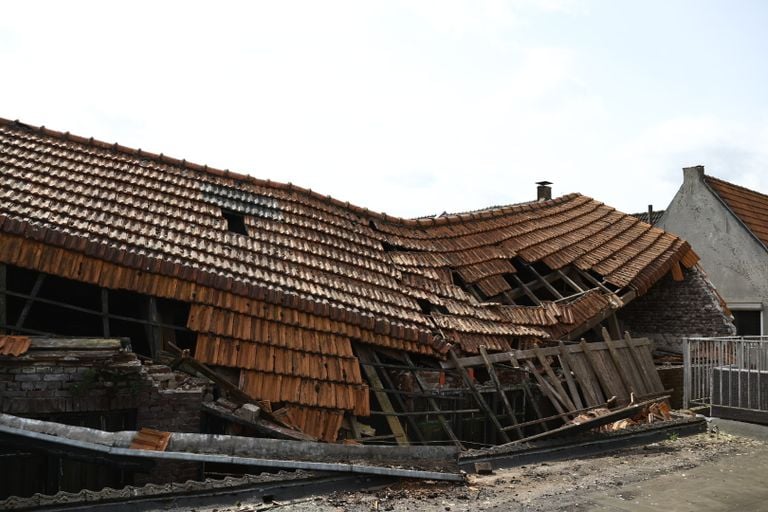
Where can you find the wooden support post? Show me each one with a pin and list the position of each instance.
(433, 403)
(355, 427)
(32, 296)
(565, 362)
(105, 312)
(478, 397)
(391, 385)
(613, 325)
(3, 298)
(154, 333)
(500, 391)
(365, 356)
(527, 390)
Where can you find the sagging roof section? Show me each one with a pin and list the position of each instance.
(284, 300)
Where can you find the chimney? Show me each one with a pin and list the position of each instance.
(543, 191)
(695, 173)
(650, 214)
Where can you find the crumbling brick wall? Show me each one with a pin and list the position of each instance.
(671, 310)
(52, 384)
(40, 387)
(173, 409)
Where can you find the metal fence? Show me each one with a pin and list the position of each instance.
(726, 372)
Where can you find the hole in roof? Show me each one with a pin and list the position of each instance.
(388, 247)
(429, 307)
(235, 222)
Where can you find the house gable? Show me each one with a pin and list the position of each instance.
(733, 256)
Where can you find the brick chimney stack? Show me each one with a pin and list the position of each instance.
(543, 191)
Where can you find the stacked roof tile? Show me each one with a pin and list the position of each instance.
(285, 301)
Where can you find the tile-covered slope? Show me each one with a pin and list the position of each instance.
(749, 206)
(284, 302)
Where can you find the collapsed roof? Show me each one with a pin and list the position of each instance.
(282, 280)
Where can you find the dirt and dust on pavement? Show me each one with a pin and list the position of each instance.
(676, 474)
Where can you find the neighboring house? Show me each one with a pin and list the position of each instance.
(728, 226)
(652, 216)
(284, 291)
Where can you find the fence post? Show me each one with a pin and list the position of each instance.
(686, 373)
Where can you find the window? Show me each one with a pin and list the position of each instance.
(235, 222)
(748, 322)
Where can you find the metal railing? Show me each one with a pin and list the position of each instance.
(727, 372)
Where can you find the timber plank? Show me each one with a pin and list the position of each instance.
(648, 381)
(432, 402)
(528, 393)
(555, 381)
(595, 367)
(478, 397)
(500, 391)
(565, 363)
(395, 426)
(472, 361)
(647, 360)
(593, 395)
(547, 389)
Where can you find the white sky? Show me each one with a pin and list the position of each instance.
(409, 107)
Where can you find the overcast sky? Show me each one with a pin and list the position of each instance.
(412, 107)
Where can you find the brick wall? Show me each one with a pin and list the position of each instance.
(68, 385)
(673, 309)
(166, 406)
(50, 384)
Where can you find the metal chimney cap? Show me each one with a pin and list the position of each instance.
(544, 183)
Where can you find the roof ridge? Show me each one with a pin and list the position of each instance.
(482, 213)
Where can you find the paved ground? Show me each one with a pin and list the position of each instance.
(736, 482)
(717, 471)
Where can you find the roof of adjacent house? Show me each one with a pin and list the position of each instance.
(651, 218)
(748, 205)
(312, 273)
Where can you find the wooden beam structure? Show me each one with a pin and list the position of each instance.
(500, 391)
(478, 397)
(365, 356)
